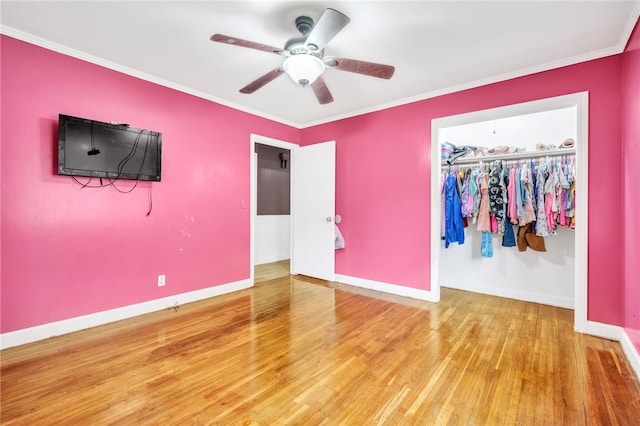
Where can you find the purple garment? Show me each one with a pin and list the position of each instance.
(467, 207)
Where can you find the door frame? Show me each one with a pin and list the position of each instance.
(253, 139)
(581, 102)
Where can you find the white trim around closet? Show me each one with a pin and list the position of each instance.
(581, 102)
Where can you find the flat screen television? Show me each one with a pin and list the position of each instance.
(105, 150)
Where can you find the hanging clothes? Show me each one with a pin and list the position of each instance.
(527, 238)
(496, 196)
(537, 196)
(542, 229)
(454, 229)
(474, 194)
(486, 245)
(550, 200)
(571, 201)
(511, 194)
(466, 198)
(509, 237)
(484, 216)
(528, 215)
(443, 178)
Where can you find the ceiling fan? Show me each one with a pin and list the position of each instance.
(304, 55)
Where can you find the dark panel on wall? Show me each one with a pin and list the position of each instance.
(274, 180)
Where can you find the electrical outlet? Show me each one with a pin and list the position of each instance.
(161, 280)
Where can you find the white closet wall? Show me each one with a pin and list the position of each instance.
(543, 277)
(272, 238)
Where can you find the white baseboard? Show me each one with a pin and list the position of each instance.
(395, 289)
(614, 332)
(630, 351)
(545, 299)
(607, 331)
(277, 257)
(41, 332)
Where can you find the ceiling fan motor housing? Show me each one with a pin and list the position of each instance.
(304, 24)
(297, 46)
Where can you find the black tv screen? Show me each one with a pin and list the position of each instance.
(105, 150)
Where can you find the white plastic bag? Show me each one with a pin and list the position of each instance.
(339, 242)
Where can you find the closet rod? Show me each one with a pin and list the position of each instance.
(514, 156)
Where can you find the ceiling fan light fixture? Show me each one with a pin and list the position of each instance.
(303, 69)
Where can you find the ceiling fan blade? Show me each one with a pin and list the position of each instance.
(221, 38)
(360, 67)
(330, 23)
(322, 91)
(268, 77)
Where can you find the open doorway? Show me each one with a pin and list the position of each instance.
(270, 208)
(273, 216)
(577, 106)
(312, 207)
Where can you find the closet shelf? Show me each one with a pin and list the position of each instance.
(513, 156)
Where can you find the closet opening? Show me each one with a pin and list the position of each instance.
(540, 138)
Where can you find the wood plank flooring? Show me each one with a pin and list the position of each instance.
(269, 271)
(300, 351)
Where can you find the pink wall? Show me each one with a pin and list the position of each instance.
(68, 251)
(631, 155)
(383, 178)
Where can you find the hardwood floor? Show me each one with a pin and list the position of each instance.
(296, 350)
(269, 271)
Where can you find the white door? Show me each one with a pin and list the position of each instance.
(313, 202)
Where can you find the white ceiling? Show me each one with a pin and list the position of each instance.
(436, 46)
